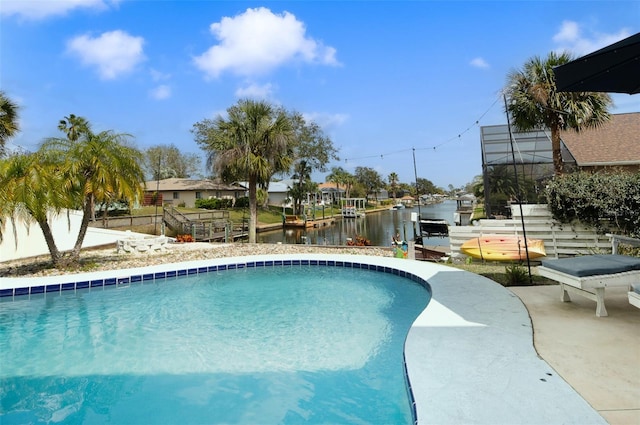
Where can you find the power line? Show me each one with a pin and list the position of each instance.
(457, 137)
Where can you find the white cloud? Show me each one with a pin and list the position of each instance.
(255, 91)
(161, 92)
(568, 33)
(42, 9)
(479, 63)
(259, 41)
(570, 37)
(326, 121)
(113, 53)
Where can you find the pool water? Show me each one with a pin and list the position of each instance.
(302, 344)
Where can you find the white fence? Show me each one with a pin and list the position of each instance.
(559, 239)
(28, 240)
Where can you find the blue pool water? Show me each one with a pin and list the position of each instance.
(303, 344)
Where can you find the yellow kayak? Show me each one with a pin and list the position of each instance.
(503, 248)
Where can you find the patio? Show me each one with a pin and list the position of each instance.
(598, 357)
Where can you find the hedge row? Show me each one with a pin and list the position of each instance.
(608, 201)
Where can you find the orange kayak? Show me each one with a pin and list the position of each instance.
(503, 248)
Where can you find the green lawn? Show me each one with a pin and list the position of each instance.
(498, 273)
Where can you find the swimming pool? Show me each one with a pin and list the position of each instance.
(250, 342)
(469, 355)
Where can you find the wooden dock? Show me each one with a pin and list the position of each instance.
(321, 222)
(295, 221)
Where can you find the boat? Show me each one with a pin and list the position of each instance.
(434, 227)
(503, 248)
(398, 206)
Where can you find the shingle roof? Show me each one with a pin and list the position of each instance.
(176, 184)
(331, 185)
(615, 143)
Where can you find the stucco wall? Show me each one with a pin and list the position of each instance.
(30, 241)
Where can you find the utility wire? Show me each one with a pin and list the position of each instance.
(457, 137)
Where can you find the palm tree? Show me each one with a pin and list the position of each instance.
(97, 168)
(8, 120)
(534, 102)
(74, 126)
(349, 181)
(338, 175)
(501, 180)
(30, 189)
(8, 128)
(253, 143)
(393, 184)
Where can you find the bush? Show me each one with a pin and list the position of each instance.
(214, 203)
(207, 204)
(242, 202)
(516, 275)
(606, 200)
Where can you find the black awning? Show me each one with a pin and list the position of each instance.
(612, 69)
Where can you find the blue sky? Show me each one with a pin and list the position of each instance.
(381, 78)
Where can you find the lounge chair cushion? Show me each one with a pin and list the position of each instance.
(592, 265)
(632, 262)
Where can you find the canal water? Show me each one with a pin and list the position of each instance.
(378, 227)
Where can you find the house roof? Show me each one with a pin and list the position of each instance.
(282, 186)
(615, 143)
(176, 185)
(331, 185)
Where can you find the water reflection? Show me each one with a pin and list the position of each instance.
(378, 227)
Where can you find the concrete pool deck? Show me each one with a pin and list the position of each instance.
(598, 357)
(470, 355)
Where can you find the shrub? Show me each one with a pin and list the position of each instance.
(606, 200)
(214, 203)
(225, 203)
(516, 275)
(242, 202)
(207, 204)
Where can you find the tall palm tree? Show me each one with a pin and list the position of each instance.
(74, 126)
(349, 181)
(253, 143)
(393, 184)
(534, 102)
(97, 168)
(8, 120)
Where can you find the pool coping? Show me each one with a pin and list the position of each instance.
(469, 355)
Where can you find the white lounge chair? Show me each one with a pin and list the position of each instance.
(589, 275)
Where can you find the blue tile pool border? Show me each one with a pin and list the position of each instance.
(151, 277)
(194, 271)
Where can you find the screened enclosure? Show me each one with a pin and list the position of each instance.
(533, 164)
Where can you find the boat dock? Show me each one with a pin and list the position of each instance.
(295, 221)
